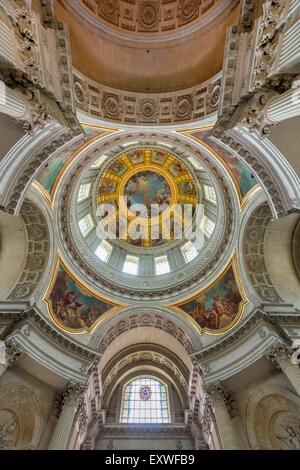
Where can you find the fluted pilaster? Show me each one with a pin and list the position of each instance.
(218, 399)
(71, 401)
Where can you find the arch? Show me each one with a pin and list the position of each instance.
(147, 329)
(269, 411)
(148, 357)
(252, 238)
(37, 251)
(279, 240)
(272, 170)
(114, 400)
(23, 160)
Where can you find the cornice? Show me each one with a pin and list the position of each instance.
(17, 320)
(258, 316)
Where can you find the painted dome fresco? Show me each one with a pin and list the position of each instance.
(149, 226)
(147, 214)
(152, 182)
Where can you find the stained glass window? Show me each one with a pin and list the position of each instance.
(145, 400)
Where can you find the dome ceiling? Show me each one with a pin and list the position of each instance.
(148, 177)
(146, 168)
(131, 45)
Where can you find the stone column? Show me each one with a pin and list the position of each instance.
(281, 355)
(64, 426)
(13, 103)
(9, 353)
(219, 401)
(52, 421)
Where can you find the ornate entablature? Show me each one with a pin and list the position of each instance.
(147, 176)
(130, 108)
(260, 64)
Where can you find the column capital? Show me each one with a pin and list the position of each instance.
(73, 393)
(215, 394)
(218, 396)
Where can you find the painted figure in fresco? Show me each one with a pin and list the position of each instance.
(158, 157)
(188, 188)
(218, 307)
(177, 169)
(71, 306)
(137, 156)
(117, 167)
(205, 318)
(68, 310)
(107, 186)
(147, 188)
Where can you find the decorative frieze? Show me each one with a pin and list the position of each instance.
(31, 315)
(136, 358)
(148, 16)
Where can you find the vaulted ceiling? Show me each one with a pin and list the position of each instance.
(131, 45)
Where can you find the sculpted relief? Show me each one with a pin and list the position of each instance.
(273, 419)
(8, 430)
(285, 431)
